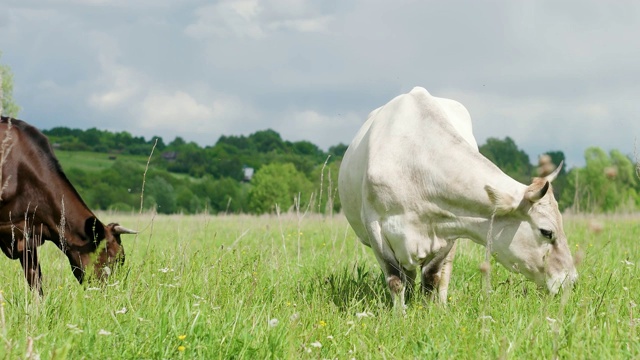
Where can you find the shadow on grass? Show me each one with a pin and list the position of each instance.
(352, 286)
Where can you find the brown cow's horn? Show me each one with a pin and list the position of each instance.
(123, 230)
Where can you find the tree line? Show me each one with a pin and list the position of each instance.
(251, 174)
(262, 173)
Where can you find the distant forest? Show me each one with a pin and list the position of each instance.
(253, 173)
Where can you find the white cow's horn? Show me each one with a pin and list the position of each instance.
(555, 173)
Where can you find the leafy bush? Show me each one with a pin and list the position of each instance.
(278, 184)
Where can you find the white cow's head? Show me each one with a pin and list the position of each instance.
(528, 236)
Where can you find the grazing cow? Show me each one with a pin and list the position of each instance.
(37, 203)
(412, 182)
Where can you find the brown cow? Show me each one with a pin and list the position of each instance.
(37, 203)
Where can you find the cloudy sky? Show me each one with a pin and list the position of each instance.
(551, 75)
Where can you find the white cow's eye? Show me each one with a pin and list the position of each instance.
(547, 233)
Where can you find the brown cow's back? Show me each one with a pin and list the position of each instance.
(38, 203)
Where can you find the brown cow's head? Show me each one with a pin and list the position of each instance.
(103, 252)
(112, 254)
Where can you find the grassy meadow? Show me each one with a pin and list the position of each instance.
(94, 161)
(292, 287)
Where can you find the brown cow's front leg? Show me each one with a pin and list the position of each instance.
(31, 267)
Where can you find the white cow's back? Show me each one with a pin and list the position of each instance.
(410, 150)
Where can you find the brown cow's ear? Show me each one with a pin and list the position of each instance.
(94, 229)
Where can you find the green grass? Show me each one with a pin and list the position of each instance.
(225, 287)
(94, 161)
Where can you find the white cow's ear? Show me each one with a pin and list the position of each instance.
(537, 190)
(503, 202)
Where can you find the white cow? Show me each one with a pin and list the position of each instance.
(412, 182)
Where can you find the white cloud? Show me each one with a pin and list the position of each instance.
(121, 89)
(118, 84)
(316, 24)
(324, 130)
(256, 19)
(234, 18)
(172, 110)
(179, 113)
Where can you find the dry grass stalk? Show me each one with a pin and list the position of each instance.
(485, 268)
(545, 165)
(3, 324)
(296, 204)
(63, 223)
(29, 354)
(635, 153)
(321, 183)
(595, 226)
(144, 176)
(1, 94)
(611, 172)
(5, 150)
(330, 195)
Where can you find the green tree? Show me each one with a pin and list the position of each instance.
(186, 201)
(605, 184)
(225, 195)
(337, 151)
(267, 140)
(161, 191)
(9, 106)
(278, 184)
(506, 155)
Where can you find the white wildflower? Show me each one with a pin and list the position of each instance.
(487, 317)
(330, 337)
(104, 332)
(106, 271)
(627, 262)
(74, 328)
(551, 320)
(122, 311)
(316, 344)
(294, 317)
(273, 322)
(364, 314)
(165, 270)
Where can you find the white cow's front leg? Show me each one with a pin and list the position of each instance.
(396, 287)
(395, 276)
(445, 275)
